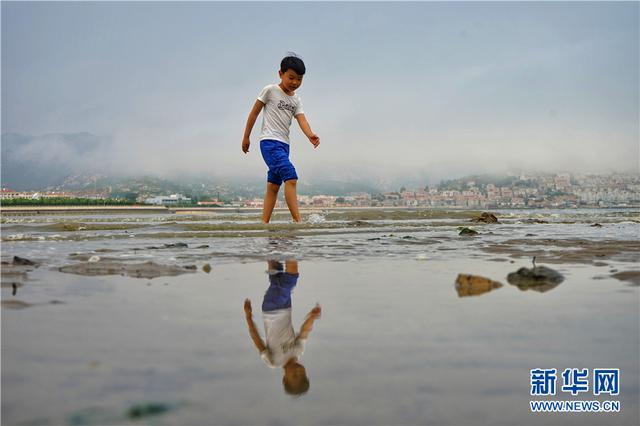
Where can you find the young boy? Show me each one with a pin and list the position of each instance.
(280, 105)
(282, 348)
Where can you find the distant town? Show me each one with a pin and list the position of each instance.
(561, 190)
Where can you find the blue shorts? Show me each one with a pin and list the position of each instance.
(278, 295)
(276, 155)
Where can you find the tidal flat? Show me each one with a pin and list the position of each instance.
(144, 324)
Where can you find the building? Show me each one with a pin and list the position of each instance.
(7, 194)
(164, 200)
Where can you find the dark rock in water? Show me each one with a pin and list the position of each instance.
(176, 245)
(206, 268)
(203, 246)
(138, 270)
(486, 218)
(169, 245)
(538, 278)
(530, 235)
(191, 267)
(535, 221)
(468, 232)
(474, 285)
(145, 410)
(596, 225)
(22, 261)
(16, 273)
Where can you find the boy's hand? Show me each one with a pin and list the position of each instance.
(315, 140)
(247, 308)
(245, 145)
(315, 312)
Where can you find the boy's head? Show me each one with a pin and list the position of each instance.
(292, 70)
(292, 63)
(295, 381)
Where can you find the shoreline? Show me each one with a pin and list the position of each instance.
(308, 209)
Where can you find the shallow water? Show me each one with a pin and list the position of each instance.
(395, 344)
(332, 234)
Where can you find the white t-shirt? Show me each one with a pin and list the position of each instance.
(279, 109)
(281, 341)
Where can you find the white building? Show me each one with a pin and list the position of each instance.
(168, 200)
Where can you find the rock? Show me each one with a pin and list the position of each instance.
(206, 268)
(169, 246)
(145, 410)
(474, 285)
(596, 225)
(538, 278)
(176, 245)
(535, 221)
(13, 275)
(93, 259)
(530, 235)
(486, 218)
(467, 232)
(204, 246)
(22, 261)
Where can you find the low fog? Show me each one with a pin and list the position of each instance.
(416, 91)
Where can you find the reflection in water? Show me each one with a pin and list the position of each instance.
(282, 347)
(538, 278)
(474, 285)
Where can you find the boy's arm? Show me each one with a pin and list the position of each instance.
(307, 325)
(306, 129)
(253, 330)
(251, 120)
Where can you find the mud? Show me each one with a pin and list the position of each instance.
(572, 250)
(632, 277)
(138, 270)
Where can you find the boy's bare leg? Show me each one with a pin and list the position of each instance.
(291, 197)
(291, 266)
(270, 197)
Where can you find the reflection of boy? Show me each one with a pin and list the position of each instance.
(282, 348)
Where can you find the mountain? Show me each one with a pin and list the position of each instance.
(39, 162)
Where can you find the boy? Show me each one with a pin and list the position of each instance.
(282, 348)
(280, 104)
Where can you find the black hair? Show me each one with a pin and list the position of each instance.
(297, 389)
(293, 63)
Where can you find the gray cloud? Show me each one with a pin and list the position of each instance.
(421, 90)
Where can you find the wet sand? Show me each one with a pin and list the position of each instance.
(571, 250)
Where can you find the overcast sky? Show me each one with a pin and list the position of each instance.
(416, 89)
